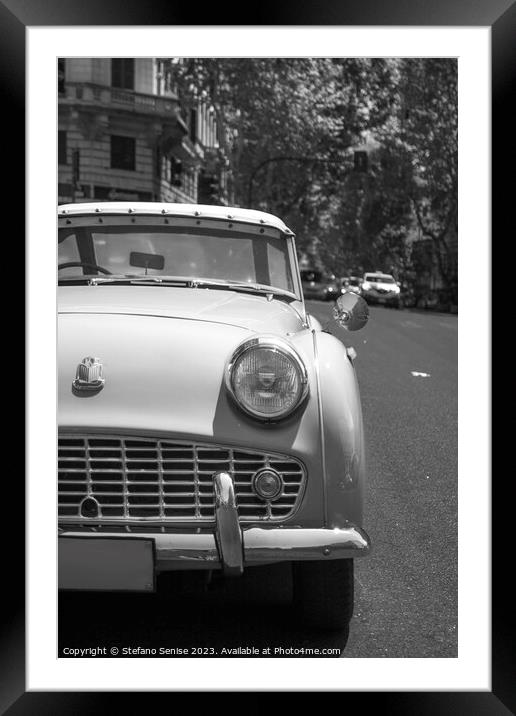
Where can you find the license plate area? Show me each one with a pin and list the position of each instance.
(106, 564)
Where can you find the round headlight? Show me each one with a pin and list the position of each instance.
(267, 378)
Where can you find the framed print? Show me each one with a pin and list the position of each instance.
(451, 664)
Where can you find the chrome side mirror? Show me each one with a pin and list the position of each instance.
(351, 311)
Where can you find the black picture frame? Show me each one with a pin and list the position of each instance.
(15, 17)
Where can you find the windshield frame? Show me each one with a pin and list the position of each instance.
(87, 223)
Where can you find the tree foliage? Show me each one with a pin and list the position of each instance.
(427, 137)
(290, 126)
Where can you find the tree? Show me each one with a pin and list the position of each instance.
(425, 133)
(289, 126)
(267, 108)
(411, 185)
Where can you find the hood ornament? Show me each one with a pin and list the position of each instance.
(89, 375)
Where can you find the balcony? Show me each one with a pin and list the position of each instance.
(87, 94)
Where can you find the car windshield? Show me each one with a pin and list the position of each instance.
(311, 276)
(377, 278)
(212, 254)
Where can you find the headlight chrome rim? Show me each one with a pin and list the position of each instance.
(282, 346)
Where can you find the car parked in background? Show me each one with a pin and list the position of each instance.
(206, 421)
(381, 288)
(351, 283)
(318, 285)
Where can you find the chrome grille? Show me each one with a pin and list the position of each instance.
(134, 479)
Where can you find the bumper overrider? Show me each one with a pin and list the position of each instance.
(130, 561)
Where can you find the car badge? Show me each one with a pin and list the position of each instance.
(89, 376)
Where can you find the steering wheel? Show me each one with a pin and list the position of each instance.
(85, 264)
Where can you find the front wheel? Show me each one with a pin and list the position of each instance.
(324, 592)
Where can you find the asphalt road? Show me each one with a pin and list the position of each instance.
(406, 590)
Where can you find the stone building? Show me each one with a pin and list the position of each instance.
(122, 135)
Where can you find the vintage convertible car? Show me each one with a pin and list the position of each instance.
(206, 421)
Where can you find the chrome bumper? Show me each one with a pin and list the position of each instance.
(232, 547)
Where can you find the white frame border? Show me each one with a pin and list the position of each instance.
(471, 670)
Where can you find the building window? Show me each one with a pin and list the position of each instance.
(123, 151)
(61, 74)
(122, 73)
(176, 170)
(61, 147)
(193, 124)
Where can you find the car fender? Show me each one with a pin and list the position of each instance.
(342, 434)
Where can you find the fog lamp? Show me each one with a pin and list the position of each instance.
(268, 484)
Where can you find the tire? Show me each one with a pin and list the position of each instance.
(324, 593)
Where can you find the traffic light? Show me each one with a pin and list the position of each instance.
(176, 168)
(360, 161)
(208, 191)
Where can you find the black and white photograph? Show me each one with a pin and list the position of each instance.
(257, 356)
(256, 443)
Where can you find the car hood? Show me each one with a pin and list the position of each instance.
(253, 312)
(163, 354)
